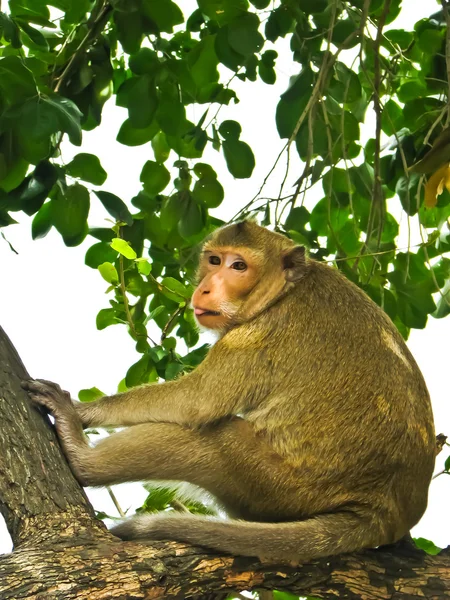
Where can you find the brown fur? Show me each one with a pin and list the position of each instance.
(309, 418)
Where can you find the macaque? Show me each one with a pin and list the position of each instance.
(309, 420)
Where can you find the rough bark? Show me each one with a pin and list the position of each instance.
(61, 551)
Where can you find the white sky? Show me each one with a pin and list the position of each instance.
(49, 299)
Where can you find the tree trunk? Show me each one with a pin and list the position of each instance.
(61, 551)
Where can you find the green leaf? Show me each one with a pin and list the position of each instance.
(173, 369)
(10, 30)
(327, 215)
(90, 394)
(107, 317)
(279, 23)
(154, 177)
(109, 272)
(239, 158)
(193, 219)
(392, 117)
(123, 248)
(161, 148)
(129, 27)
(203, 61)
(171, 114)
(172, 210)
(297, 219)
(115, 206)
(223, 11)
(42, 222)
(174, 289)
(430, 40)
(103, 234)
(143, 371)
(447, 464)
(69, 211)
(165, 14)
(144, 267)
(208, 191)
(68, 115)
(98, 254)
(427, 546)
(138, 94)
(16, 81)
(411, 90)
(88, 168)
(443, 306)
(144, 61)
(243, 35)
(132, 136)
(34, 35)
(230, 130)
(159, 498)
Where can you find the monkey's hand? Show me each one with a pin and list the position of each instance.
(49, 395)
(68, 424)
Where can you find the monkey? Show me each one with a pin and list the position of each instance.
(309, 420)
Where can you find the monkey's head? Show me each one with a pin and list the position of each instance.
(244, 268)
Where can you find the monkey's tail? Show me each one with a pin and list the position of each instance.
(295, 541)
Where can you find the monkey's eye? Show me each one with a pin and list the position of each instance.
(239, 265)
(214, 260)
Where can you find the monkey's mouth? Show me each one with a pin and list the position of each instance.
(201, 312)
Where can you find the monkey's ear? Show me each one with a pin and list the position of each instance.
(294, 264)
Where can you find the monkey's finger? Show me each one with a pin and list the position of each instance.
(41, 400)
(36, 386)
(52, 385)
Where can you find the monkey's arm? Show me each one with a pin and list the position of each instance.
(216, 389)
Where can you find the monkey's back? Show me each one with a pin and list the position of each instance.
(344, 400)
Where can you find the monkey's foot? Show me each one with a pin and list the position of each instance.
(48, 394)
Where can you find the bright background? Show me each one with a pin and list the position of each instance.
(49, 299)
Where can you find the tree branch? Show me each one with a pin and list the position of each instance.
(62, 552)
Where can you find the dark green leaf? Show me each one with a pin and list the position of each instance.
(68, 116)
(88, 168)
(42, 222)
(144, 61)
(165, 14)
(171, 211)
(230, 130)
(209, 192)
(154, 177)
(16, 81)
(98, 254)
(69, 212)
(223, 11)
(243, 35)
(143, 371)
(132, 136)
(115, 206)
(193, 219)
(239, 158)
(34, 35)
(10, 30)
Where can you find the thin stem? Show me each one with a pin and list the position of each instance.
(95, 30)
(115, 502)
(123, 290)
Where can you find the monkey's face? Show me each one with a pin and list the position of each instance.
(227, 276)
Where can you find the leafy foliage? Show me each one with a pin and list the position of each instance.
(57, 71)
